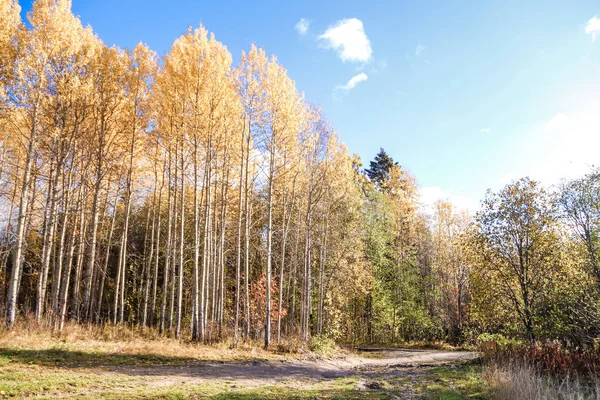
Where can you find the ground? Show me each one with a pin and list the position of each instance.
(140, 369)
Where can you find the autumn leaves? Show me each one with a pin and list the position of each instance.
(157, 191)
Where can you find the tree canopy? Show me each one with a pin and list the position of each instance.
(207, 199)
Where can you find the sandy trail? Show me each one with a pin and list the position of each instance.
(268, 372)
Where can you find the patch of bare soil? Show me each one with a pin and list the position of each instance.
(257, 373)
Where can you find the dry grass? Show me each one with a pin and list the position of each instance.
(517, 380)
(549, 357)
(88, 361)
(87, 343)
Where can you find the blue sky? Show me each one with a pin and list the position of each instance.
(467, 96)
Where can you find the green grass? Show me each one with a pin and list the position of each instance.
(445, 382)
(43, 382)
(62, 357)
(29, 381)
(341, 388)
(26, 381)
(463, 381)
(274, 393)
(61, 372)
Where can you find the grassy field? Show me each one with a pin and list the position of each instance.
(25, 381)
(113, 364)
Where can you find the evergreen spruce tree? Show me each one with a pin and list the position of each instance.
(380, 168)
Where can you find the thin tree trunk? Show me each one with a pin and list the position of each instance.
(213, 257)
(247, 220)
(57, 279)
(206, 247)
(91, 257)
(145, 279)
(174, 242)
(238, 262)
(284, 233)
(75, 297)
(66, 278)
(181, 249)
(269, 248)
(224, 190)
(307, 273)
(15, 278)
(157, 257)
(50, 214)
(107, 258)
(170, 210)
(195, 292)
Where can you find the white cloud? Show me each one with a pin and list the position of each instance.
(431, 194)
(349, 39)
(485, 130)
(302, 26)
(355, 80)
(593, 27)
(419, 50)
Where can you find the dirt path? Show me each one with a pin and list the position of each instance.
(268, 372)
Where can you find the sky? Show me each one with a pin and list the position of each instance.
(465, 95)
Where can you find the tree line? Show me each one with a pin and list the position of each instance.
(172, 192)
(523, 266)
(211, 200)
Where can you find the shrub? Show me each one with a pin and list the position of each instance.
(322, 345)
(549, 357)
(497, 346)
(289, 345)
